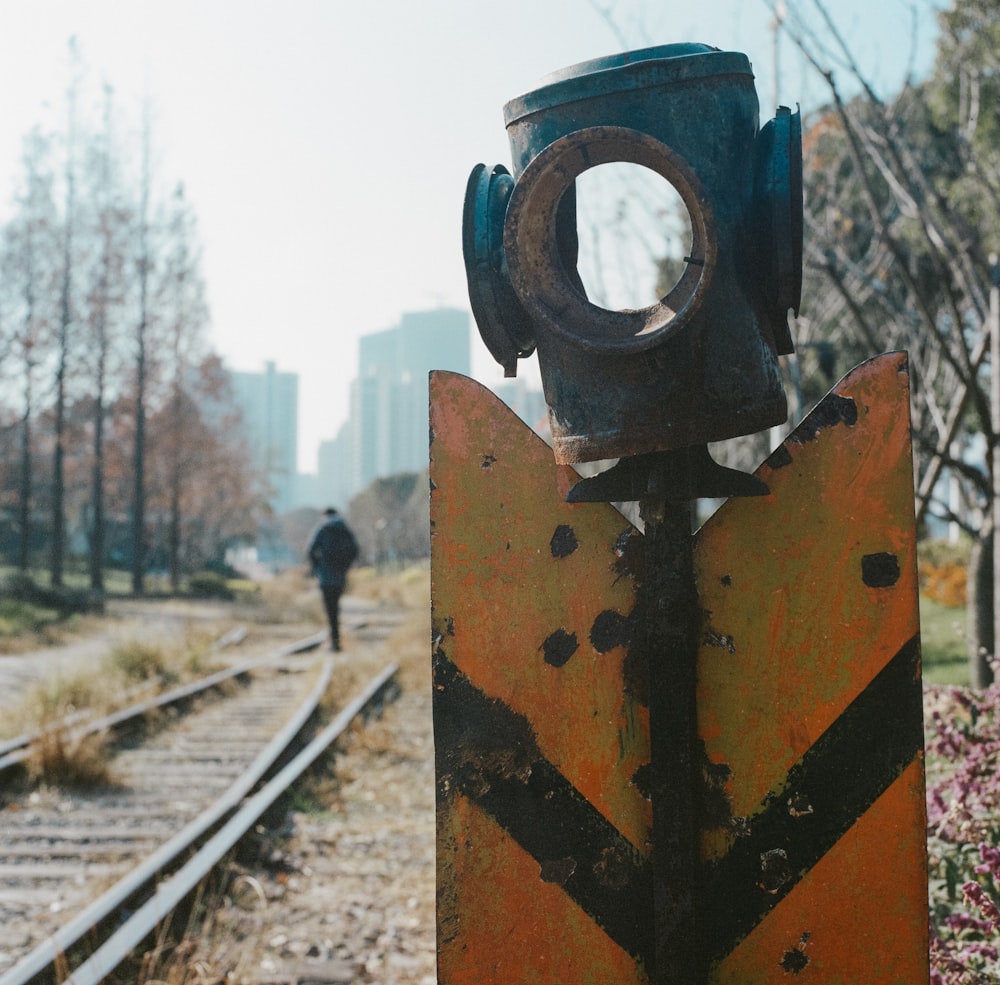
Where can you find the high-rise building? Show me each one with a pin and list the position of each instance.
(269, 402)
(389, 397)
(386, 431)
(334, 485)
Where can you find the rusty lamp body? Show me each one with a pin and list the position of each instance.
(699, 364)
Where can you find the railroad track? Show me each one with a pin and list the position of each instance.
(70, 862)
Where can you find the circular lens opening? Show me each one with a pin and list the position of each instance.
(634, 232)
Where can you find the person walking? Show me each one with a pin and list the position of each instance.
(332, 550)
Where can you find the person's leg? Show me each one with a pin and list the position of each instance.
(331, 602)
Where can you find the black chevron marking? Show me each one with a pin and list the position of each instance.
(845, 771)
(488, 753)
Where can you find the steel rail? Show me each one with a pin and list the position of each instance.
(50, 950)
(169, 894)
(18, 749)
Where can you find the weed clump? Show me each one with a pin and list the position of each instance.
(210, 585)
(61, 759)
(138, 662)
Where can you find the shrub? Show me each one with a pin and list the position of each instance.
(65, 601)
(963, 812)
(945, 583)
(19, 617)
(138, 661)
(209, 585)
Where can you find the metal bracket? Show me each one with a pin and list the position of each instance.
(682, 474)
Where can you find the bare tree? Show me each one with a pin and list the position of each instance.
(144, 262)
(185, 314)
(66, 319)
(28, 279)
(898, 257)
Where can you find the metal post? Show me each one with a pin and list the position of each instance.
(668, 629)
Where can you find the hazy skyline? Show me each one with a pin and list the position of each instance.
(325, 145)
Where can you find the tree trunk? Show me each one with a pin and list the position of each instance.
(139, 459)
(174, 532)
(979, 612)
(139, 468)
(97, 492)
(65, 318)
(58, 478)
(24, 498)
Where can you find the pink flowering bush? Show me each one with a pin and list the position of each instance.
(963, 814)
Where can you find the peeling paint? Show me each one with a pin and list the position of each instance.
(720, 641)
(795, 960)
(558, 870)
(832, 410)
(774, 870)
(563, 542)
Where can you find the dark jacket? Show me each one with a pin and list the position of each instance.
(332, 550)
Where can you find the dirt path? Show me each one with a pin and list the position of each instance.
(157, 622)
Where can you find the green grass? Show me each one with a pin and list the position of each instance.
(942, 639)
(116, 581)
(18, 617)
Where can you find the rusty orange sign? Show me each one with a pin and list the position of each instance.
(809, 709)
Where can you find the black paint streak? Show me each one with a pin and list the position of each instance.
(836, 781)
(610, 629)
(668, 631)
(880, 570)
(559, 647)
(832, 410)
(488, 753)
(477, 752)
(563, 541)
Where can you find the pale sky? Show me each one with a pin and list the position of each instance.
(325, 144)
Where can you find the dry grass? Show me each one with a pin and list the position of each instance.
(290, 597)
(56, 632)
(406, 589)
(409, 645)
(63, 760)
(406, 593)
(131, 671)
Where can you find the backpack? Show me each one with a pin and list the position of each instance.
(336, 545)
